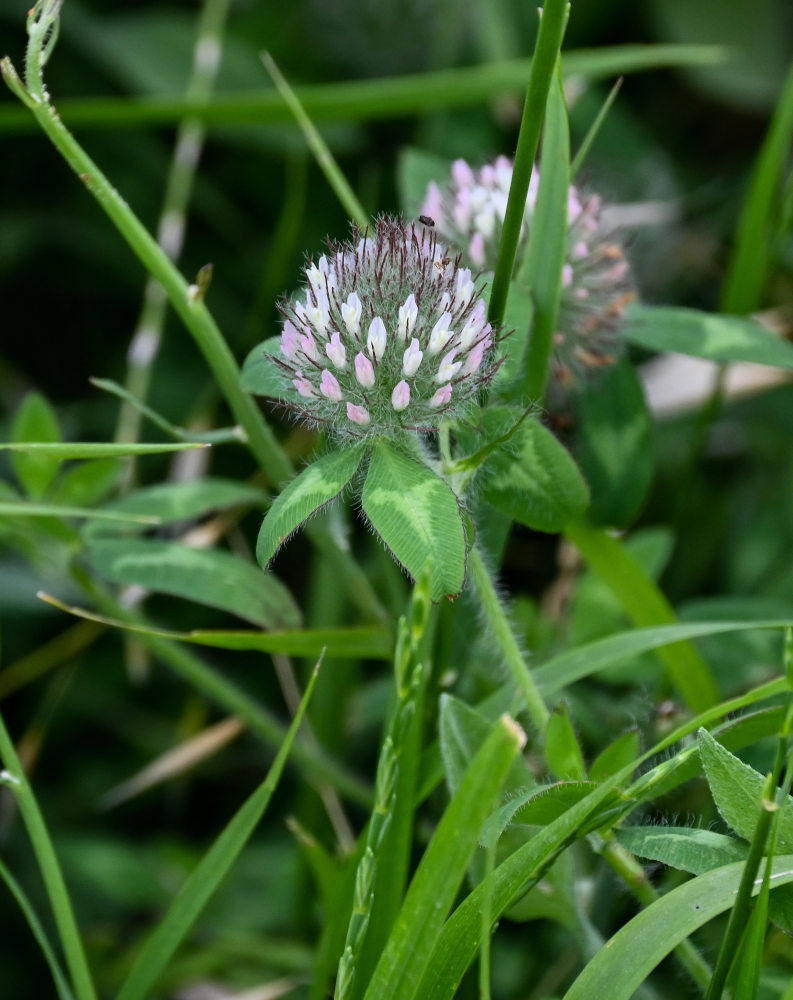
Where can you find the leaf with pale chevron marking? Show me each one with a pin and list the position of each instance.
(533, 479)
(418, 518)
(313, 489)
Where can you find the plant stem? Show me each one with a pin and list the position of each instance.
(16, 779)
(505, 637)
(546, 51)
(146, 340)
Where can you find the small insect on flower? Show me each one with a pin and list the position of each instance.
(384, 320)
(425, 220)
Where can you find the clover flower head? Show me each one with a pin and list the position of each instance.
(388, 333)
(469, 217)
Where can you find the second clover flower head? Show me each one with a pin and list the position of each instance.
(389, 333)
(469, 216)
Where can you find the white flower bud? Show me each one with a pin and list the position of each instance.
(412, 359)
(376, 339)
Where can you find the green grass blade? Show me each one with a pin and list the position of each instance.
(553, 22)
(748, 264)
(638, 947)
(58, 894)
(443, 867)
(646, 605)
(367, 100)
(749, 959)
(9, 508)
(545, 254)
(594, 128)
(572, 665)
(322, 154)
(207, 876)
(16, 890)
(367, 641)
(459, 941)
(97, 449)
(221, 436)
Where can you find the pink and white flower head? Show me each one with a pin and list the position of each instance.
(388, 333)
(469, 217)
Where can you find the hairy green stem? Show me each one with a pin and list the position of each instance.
(16, 779)
(505, 637)
(546, 53)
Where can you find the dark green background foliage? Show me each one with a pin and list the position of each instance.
(710, 500)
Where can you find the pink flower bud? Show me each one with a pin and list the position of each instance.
(336, 351)
(433, 202)
(400, 397)
(290, 340)
(358, 414)
(364, 370)
(474, 360)
(303, 386)
(329, 386)
(462, 173)
(476, 249)
(441, 397)
(309, 346)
